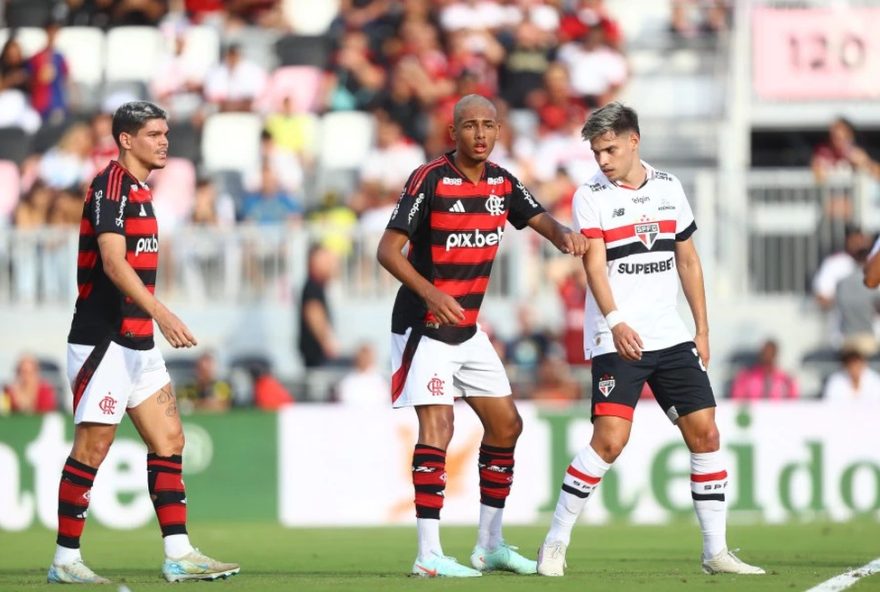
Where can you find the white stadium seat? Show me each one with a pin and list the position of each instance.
(231, 141)
(307, 17)
(31, 39)
(345, 139)
(133, 53)
(202, 49)
(83, 48)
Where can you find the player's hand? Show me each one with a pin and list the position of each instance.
(176, 333)
(572, 243)
(701, 340)
(627, 341)
(444, 307)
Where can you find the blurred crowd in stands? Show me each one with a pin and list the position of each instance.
(267, 98)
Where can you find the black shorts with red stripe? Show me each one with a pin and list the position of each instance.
(675, 375)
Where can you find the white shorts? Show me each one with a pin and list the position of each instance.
(108, 380)
(432, 372)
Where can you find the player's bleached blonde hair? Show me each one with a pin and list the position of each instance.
(613, 117)
(469, 101)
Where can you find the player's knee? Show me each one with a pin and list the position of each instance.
(437, 432)
(609, 450)
(171, 444)
(706, 440)
(513, 429)
(92, 453)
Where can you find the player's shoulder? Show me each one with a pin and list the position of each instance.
(113, 181)
(664, 177)
(595, 187)
(423, 175)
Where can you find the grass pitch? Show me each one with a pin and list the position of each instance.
(618, 558)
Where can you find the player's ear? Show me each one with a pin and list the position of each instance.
(634, 139)
(451, 129)
(125, 140)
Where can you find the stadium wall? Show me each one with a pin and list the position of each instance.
(329, 465)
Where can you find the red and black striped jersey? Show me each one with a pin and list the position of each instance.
(454, 227)
(116, 202)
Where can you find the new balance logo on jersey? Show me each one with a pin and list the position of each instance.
(457, 207)
(618, 212)
(474, 239)
(647, 233)
(637, 268)
(147, 245)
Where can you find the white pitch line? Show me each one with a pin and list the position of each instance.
(845, 580)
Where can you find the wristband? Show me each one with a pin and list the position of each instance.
(614, 318)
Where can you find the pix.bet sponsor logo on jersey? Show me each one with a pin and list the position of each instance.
(474, 239)
(147, 245)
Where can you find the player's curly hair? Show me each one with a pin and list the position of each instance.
(132, 116)
(613, 117)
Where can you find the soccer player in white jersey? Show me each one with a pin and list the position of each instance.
(639, 225)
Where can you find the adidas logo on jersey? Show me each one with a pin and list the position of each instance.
(457, 207)
(474, 239)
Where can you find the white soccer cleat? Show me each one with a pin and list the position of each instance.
(195, 565)
(75, 572)
(726, 562)
(551, 559)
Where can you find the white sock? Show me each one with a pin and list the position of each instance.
(582, 476)
(708, 488)
(177, 545)
(489, 534)
(65, 555)
(429, 537)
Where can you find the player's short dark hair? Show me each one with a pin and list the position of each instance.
(134, 115)
(613, 117)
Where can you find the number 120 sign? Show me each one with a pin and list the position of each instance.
(816, 53)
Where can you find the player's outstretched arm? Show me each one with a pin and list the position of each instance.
(626, 339)
(563, 238)
(444, 307)
(690, 271)
(112, 249)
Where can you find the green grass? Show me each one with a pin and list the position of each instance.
(618, 558)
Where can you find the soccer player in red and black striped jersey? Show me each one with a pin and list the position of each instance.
(113, 364)
(453, 212)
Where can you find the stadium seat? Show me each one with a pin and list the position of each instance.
(31, 39)
(345, 139)
(184, 141)
(14, 144)
(307, 17)
(10, 190)
(231, 141)
(174, 192)
(301, 84)
(182, 369)
(83, 48)
(202, 49)
(302, 50)
(257, 45)
(28, 13)
(133, 53)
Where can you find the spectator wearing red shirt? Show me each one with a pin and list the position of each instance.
(29, 393)
(764, 380)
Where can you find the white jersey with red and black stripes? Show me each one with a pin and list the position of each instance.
(640, 227)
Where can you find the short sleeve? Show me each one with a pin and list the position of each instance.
(412, 207)
(585, 212)
(685, 225)
(523, 206)
(107, 204)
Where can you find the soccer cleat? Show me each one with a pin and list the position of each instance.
(195, 565)
(551, 559)
(75, 572)
(504, 558)
(726, 562)
(442, 566)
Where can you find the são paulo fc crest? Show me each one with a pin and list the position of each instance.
(606, 385)
(647, 233)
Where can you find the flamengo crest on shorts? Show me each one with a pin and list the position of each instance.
(640, 228)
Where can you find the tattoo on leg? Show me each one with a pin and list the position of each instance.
(166, 395)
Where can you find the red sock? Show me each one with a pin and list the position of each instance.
(165, 479)
(73, 501)
(429, 480)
